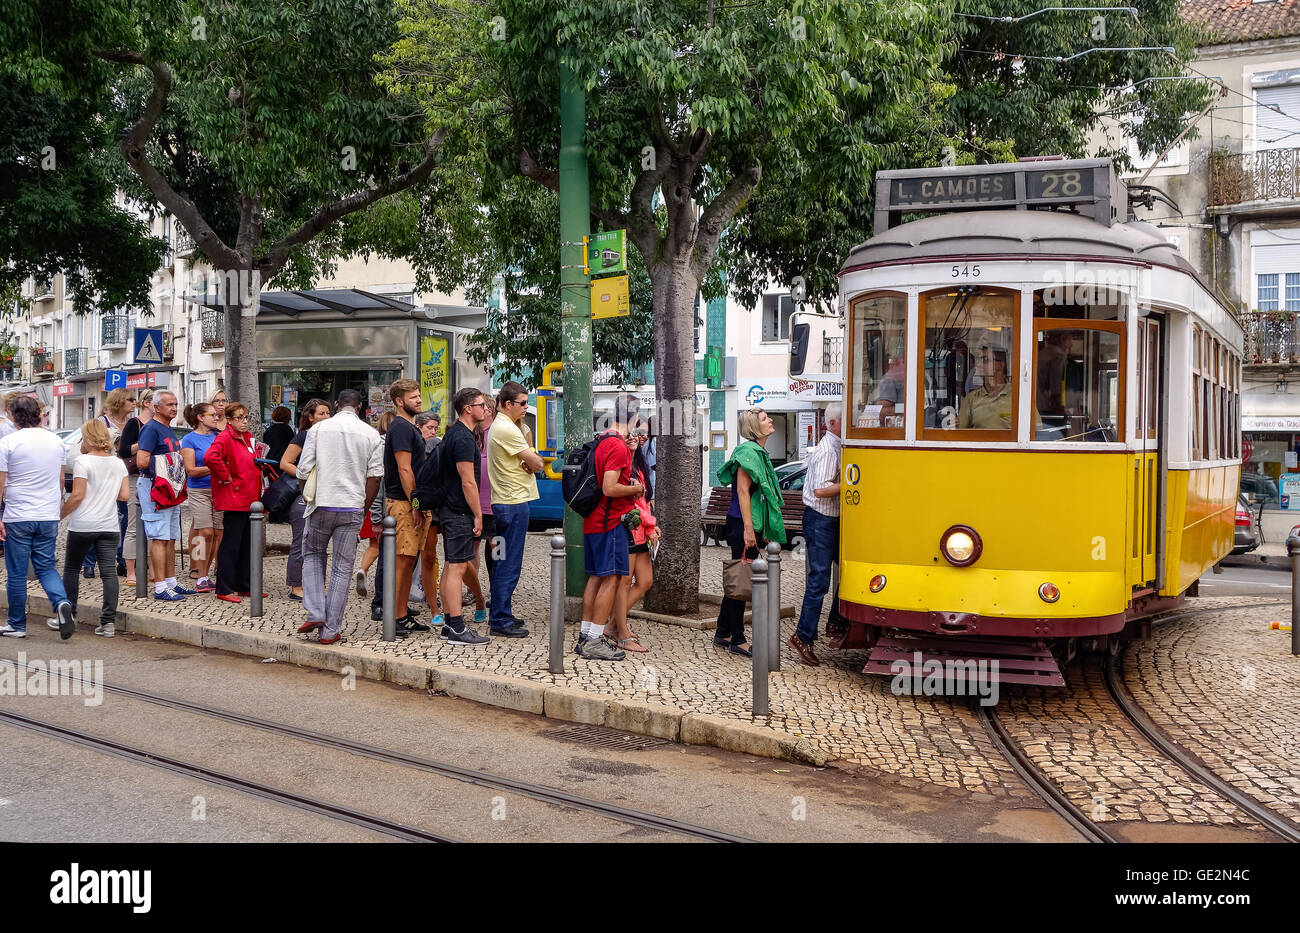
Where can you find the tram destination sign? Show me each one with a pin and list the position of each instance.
(1086, 186)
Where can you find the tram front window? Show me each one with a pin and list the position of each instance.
(1077, 385)
(968, 351)
(878, 367)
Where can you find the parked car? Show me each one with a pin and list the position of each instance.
(1248, 535)
(1257, 487)
(791, 475)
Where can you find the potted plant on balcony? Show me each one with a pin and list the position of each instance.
(7, 352)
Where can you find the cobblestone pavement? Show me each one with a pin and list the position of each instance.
(853, 719)
(1224, 687)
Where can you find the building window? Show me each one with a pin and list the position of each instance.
(1292, 296)
(776, 317)
(198, 391)
(1268, 292)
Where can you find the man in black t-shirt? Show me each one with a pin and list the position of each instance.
(403, 455)
(461, 515)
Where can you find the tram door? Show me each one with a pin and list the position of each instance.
(1147, 472)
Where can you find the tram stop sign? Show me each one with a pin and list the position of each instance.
(607, 252)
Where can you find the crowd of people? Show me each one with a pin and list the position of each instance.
(469, 487)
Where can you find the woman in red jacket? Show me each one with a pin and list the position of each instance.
(236, 485)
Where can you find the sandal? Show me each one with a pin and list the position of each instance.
(637, 648)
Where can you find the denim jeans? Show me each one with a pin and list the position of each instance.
(30, 541)
(822, 535)
(323, 529)
(512, 527)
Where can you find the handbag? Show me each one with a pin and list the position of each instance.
(279, 496)
(168, 488)
(738, 580)
(309, 487)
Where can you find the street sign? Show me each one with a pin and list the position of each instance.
(148, 345)
(62, 388)
(609, 298)
(141, 380)
(607, 252)
(114, 379)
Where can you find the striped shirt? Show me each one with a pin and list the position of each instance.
(823, 469)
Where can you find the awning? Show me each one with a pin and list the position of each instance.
(294, 303)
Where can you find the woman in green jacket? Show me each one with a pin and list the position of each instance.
(753, 519)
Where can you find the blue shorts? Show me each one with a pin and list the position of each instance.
(605, 554)
(159, 524)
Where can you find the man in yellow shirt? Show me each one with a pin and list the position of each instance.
(512, 463)
(989, 407)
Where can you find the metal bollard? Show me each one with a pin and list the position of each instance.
(256, 538)
(774, 606)
(761, 636)
(557, 604)
(388, 544)
(1293, 550)
(142, 587)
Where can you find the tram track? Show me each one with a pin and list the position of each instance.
(542, 793)
(1131, 713)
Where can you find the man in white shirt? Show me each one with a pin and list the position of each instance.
(821, 528)
(348, 456)
(31, 485)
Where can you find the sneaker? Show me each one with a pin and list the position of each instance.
(480, 615)
(577, 646)
(466, 636)
(168, 596)
(361, 583)
(510, 631)
(89, 572)
(8, 631)
(401, 630)
(414, 624)
(52, 624)
(205, 586)
(183, 591)
(108, 630)
(376, 615)
(67, 622)
(601, 649)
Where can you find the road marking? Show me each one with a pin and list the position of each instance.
(1276, 586)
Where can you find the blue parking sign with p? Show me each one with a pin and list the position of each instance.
(114, 379)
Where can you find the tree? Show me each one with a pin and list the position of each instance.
(262, 127)
(689, 103)
(59, 176)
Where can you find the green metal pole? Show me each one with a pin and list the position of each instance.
(575, 298)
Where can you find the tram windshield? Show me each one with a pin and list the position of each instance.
(1077, 383)
(968, 353)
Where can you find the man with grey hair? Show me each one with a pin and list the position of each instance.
(162, 524)
(821, 528)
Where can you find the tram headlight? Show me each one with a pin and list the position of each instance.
(877, 583)
(961, 545)
(1049, 593)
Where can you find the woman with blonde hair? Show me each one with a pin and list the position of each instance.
(126, 450)
(99, 482)
(116, 413)
(753, 519)
(219, 401)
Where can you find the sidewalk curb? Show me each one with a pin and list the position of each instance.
(562, 703)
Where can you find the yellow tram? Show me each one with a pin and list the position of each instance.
(1041, 444)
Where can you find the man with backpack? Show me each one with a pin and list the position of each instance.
(604, 479)
(460, 513)
(403, 456)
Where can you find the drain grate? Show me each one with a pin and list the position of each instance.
(600, 737)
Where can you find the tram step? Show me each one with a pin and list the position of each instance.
(984, 659)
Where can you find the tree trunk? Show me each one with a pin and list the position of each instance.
(242, 293)
(678, 472)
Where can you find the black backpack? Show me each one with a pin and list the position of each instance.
(430, 485)
(581, 487)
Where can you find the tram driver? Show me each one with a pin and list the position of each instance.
(989, 407)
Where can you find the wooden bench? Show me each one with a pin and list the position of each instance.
(714, 520)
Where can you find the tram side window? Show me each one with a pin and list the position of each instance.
(878, 369)
(968, 359)
(1077, 385)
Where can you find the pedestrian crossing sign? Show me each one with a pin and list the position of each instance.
(148, 345)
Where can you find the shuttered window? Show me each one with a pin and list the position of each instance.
(1274, 130)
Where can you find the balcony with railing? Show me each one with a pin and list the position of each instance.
(1271, 336)
(114, 331)
(1246, 177)
(74, 361)
(214, 329)
(42, 362)
(605, 375)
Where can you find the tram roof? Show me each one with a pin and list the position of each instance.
(1016, 234)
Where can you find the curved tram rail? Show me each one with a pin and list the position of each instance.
(1124, 701)
(443, 769)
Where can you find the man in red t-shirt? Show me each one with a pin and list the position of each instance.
(605, 540)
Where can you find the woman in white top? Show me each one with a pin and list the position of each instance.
(99, 483)
(116, 413)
